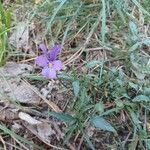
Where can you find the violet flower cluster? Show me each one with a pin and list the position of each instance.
(48, 60)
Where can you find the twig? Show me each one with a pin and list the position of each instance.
(50, 145)
(13, 146)
(20, 143)
(2, 140)
(81, 141)
(76, 136)
(51, 104)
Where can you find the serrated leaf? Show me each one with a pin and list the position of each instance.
(101, 123)
(76, 87)
(63, 117)
(141, 98)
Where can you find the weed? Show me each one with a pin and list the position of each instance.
(106, 48)
(5, 24)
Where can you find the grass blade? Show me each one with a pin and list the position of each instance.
(13, 134)
(103, 29)
(140, 7)
(54, 14)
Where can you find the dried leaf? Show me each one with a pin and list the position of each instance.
(14, 69)
(26, 117)
(20, 36)
(43, 131)
(14, 88)
(8, 114)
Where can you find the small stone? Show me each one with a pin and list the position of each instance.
(44, 92)
(14, 69)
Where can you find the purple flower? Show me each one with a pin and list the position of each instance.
(48, 61)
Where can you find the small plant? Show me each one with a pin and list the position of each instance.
(5, 22)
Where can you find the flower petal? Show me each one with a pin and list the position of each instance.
(57, 65)
(42, 61)
(49, 72)
(54, 52)
(43, 47)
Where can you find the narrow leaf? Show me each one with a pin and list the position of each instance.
(89, 142)
(134, 47)
(103, 29)
(76, 88)
(55, 13)
(101, 123)
(133, 28)
(93, 63)
(19, 138)
(63, 117)
(141, 98)
(146, 41)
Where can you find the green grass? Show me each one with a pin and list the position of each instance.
(6, 131)
(112, 94)
(5, 23)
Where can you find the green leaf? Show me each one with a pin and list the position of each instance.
(19, 138)
(111, 111)
(141, 98)
(89, 142)
(65, 76)
(8, 18)
(133, 85)
(57, 9)
(119, 103)
(146, 91)
(139, 75)
(69, 132)
(133, 28)
(134, 47)
(134, 116)
(146, 41)
(133, 144)
(76, 87)
(148, 143)
(103, 29)
(101, 123)
(93, 63)
(63, 117)
(99, 107)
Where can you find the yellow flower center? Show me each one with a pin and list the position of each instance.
(50, 65)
